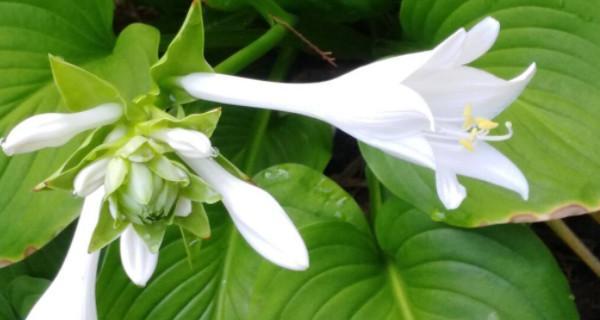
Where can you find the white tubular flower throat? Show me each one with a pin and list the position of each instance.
(72, 293)
(428, 108)
(55, 129)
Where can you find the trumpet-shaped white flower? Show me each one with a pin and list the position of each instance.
(72, 293)
(55, 129)
(257, 215)
(427, 108)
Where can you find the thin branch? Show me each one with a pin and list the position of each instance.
(325, 55)
(570, 238)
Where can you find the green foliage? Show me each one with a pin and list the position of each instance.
(29, 31)
(400, 265)
(411, 268)
(555, 120)
(185, 53)
(81, 89)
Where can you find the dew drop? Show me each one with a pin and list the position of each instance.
(438, 216)
(276, 174)
(341, 201)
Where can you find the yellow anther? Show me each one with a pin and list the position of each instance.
(485, 124)
(468, 115)
(467, 143)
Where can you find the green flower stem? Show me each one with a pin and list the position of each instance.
(269, 9)
(570, 238)
(239, 60)
(259, 47)
(375, 196)
(280, 69)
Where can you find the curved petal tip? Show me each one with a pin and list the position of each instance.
(526, 75)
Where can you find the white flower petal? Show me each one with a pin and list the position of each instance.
(484, 163)
(390, 70)
(90, 178)
(192, 144)
(479, 40)
(415, 149)
(389, 114)
(55, 129)
(137, 259)
(446, 54)
(448, 92)
(72, 294)
(257, 215)
(449, 190)
(183, 207)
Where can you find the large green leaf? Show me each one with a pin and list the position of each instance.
(415, 269)
(30, 30)
(555, 120)
(81, 33)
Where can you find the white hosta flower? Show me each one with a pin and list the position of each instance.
(427, 108)
(72, 293)
(257, 215)
(55, 129)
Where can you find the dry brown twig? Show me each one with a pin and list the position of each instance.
(325, 55)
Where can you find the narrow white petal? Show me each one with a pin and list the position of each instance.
(192, 144)
(72, 294)
(257, 215)
(183, 207)
(446, 54)
(448, 92)
(415, 149)
(449, 190)
(90, 178)
(55, 129)
(137, 259)
(479, 40)
(484, 163)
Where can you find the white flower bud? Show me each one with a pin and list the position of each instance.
(55, 129)
(190, 143)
